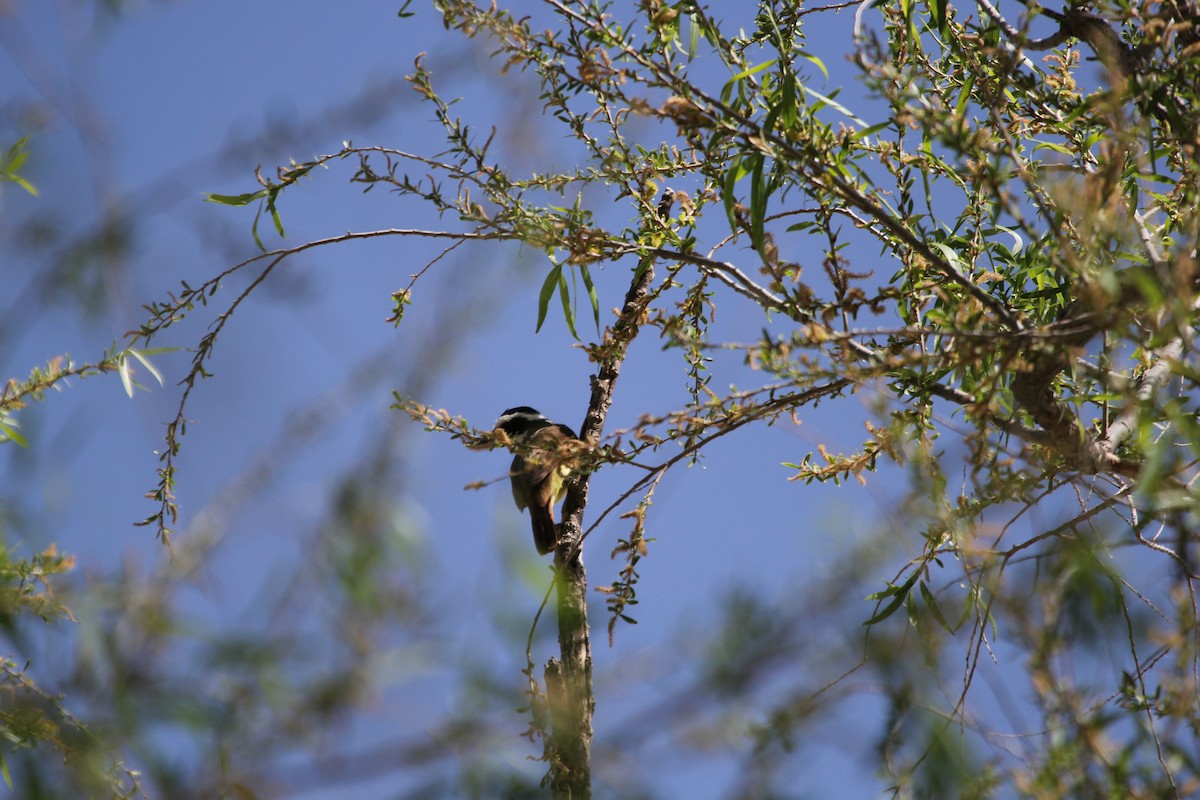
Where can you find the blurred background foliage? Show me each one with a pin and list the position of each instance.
(332, 614)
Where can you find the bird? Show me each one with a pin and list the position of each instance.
(540, 468)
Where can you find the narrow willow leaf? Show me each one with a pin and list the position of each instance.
(126, 378)
(254, 229)
(544, 296)
(932, 604)
(898, 595)
(564, 294)
(141, 356)
(275, 217)
(815, 61)
(759, 194)
(235, 199)
(952, 258)
(887, 610)
(592, 296)
(829, 101)
(13, 434)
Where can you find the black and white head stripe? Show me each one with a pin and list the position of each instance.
(520, 419)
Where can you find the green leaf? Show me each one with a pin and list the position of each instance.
(24, 184)
(11, 433)
(952, 258)
(759, 195)
(887, 610)
(815, 61)
(964, 95)
(592, 296)
(829, 101)
(235, 199)
(254, 229)
(737, 170)
(12, 162)
(789, 114)
(157, 351)
(568, 310)
(1053, 291)
(897, 593)
(544, 296)
(932, 604)
(940, 17)
(1018, 242)
(275, 215)
(865, 132)
(16, 153)
(1056, 147)
(748, 72)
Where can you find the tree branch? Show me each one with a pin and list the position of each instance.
(569, 681)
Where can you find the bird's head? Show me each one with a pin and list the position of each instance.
(520, 421)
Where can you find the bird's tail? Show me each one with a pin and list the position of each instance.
(545, 535)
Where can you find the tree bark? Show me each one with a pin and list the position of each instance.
(569, 678)
(569, 688)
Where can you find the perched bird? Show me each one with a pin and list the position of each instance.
(540, 468)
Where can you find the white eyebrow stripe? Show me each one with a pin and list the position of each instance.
(520, 415)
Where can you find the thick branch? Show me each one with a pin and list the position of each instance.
(1033, 389)
(569, 681)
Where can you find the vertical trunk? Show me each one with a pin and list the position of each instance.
(569, 685)
(569, 680)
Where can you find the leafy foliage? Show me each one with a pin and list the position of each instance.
(12, 162)
(1038, 282)
(990, 234)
